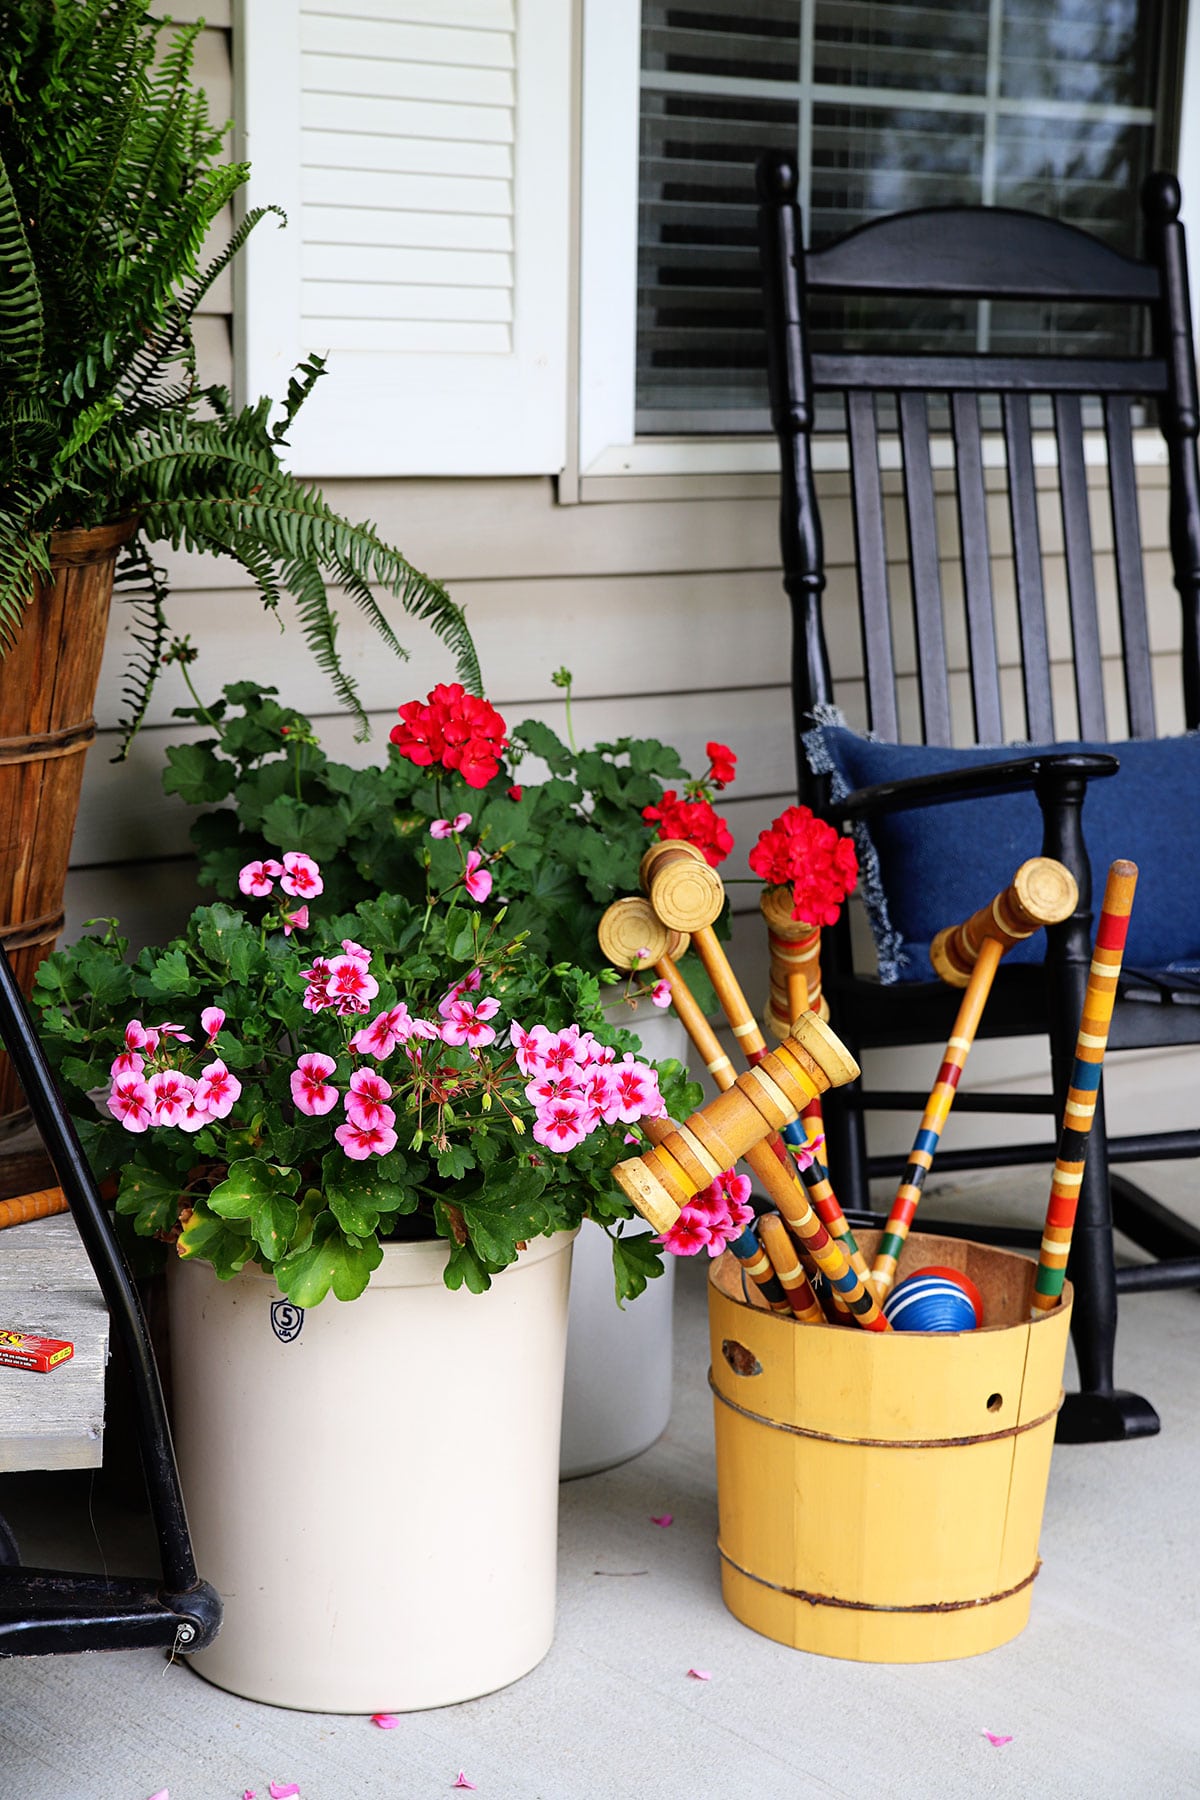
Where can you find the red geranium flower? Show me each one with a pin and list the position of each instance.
(694, 821)
(723, 764)
(819, 865)
(456, 729)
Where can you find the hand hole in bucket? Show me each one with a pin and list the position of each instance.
(740, 1360)
(995, 1402)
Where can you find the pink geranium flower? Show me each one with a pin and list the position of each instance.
(141, 1037)
(295, 921)
(561, 1125)
(171, 1094)
(689, 1234)
(130, 1101)
(470, 984)
(258, 878)
(365, 1103)
(348, 980)
(466, 1023)
(217, 1091)
(175, 1031)
(311, 1089)
(547, 1087)
(130, 1062)
(635, 1093)
(361, 1141)
(660, 993)
(476, 879)
(301, 876)
(444, 828)
(716, 1216)
(211, 1021)
(386, 1030)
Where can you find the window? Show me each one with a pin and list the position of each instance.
(1053, 105)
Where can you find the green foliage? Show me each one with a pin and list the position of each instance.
(268, 1182)
(111, 178)
(560, 853)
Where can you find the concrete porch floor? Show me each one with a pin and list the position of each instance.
(1099, 1694)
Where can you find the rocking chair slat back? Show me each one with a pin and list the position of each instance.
(1081, 570)
(1127, 562)
(976, 567)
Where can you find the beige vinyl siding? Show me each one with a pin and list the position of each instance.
(668, 609)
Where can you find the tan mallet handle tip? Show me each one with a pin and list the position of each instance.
(825, 1048)
(646, 1193)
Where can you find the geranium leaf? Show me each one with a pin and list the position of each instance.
(196, 774)
(636, 1260)
(227, 1245)
(149, 1197)
(331, 1261)
(250, 1184)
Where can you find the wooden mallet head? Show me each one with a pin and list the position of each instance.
(684, 890)
(632, 936)
(1042, 892)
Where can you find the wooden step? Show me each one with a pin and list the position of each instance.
(47, 1286)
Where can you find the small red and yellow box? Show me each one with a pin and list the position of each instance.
(22, 1350)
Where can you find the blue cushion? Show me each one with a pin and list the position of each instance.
(932, 866)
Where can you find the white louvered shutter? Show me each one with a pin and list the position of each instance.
(420, 149)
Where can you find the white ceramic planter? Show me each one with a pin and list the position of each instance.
(617, 1397)
(373, 1486)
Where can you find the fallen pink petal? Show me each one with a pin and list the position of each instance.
(385, 1721)
(663, 1519)
(249, 1794)
(162, 1794)
(280, 1790)
(461, 1781)
(994, 1737)
(700, 1674)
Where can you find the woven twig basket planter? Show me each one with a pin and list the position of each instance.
(47, 694)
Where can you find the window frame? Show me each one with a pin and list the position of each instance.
(612, 458)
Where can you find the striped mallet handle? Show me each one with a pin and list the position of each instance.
(1052, 897)
(820, 1188)
(1042, 892)
(794, 949)
(1080, 1109)
(784, 1260)
(681, 886)
(629, 932)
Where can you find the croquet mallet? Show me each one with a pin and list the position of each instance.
(1080, 1110)
(1042, 892)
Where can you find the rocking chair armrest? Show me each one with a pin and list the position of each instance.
(1018, 775)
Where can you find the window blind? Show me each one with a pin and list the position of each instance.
(1043, 104)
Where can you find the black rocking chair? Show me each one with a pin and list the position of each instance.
(958, 406)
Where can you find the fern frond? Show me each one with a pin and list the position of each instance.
(319, 625)
(21, 322)
(24, 557)
(142, 586)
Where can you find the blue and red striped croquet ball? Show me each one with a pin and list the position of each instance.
(934, 1299)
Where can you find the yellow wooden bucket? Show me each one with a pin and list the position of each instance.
(881, 1495)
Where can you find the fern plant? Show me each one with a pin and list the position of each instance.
(111, 177)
